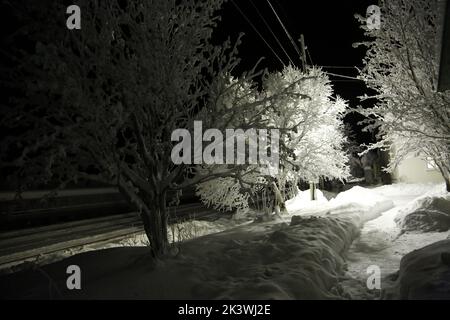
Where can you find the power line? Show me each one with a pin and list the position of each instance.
(341, 80)
(309, 56)
(348, 78)
(342, 76)
(298, 50)
(271, 31)
(256, 30)
(285, 30)
(338, 67)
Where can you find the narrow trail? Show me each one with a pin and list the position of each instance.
(373, 244)
(381, 244)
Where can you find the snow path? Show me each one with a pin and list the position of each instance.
(380, 242)
(305, 259)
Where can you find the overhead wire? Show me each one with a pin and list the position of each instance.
(309, 56)
(271, 31)
(285, 29)
(298, 50)
(339, 67)
(256, 30)
(347, 78)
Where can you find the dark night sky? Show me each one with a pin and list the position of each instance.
(329, 28)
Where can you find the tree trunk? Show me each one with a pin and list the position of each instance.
(312, 190)
(445, 172)
(279, 200)
(155, 224)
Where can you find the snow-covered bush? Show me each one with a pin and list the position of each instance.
(223, 194)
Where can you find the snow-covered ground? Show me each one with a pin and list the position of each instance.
(177, 233)
(269, 260)
(281, 259)
(362, 204)
(320, 249)
(381, 242)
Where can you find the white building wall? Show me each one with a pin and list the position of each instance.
(416, 170)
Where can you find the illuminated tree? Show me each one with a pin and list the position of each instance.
(312, 147)
(401, 66)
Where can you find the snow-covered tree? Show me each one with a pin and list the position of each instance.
(317, 137)
(401, 66)
(235, 192)
(311, 148)
(101, 103)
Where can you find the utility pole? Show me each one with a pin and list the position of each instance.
(313, 190)
(303, 52)
(444, 64)
(312, 184)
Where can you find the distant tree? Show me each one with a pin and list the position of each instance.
(353, 148)
(401, 66)
(101, 103)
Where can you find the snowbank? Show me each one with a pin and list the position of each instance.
(303, 201)
(424, 274)
(361, 204)
(368, 203)
(411, 189)
(257, 261)
(426, 214)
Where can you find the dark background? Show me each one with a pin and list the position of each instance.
(329, 28)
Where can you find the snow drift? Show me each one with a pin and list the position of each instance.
(426, 214)
(424, 274)
(361, 204)
(303, 200)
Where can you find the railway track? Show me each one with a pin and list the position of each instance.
(29, 243)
